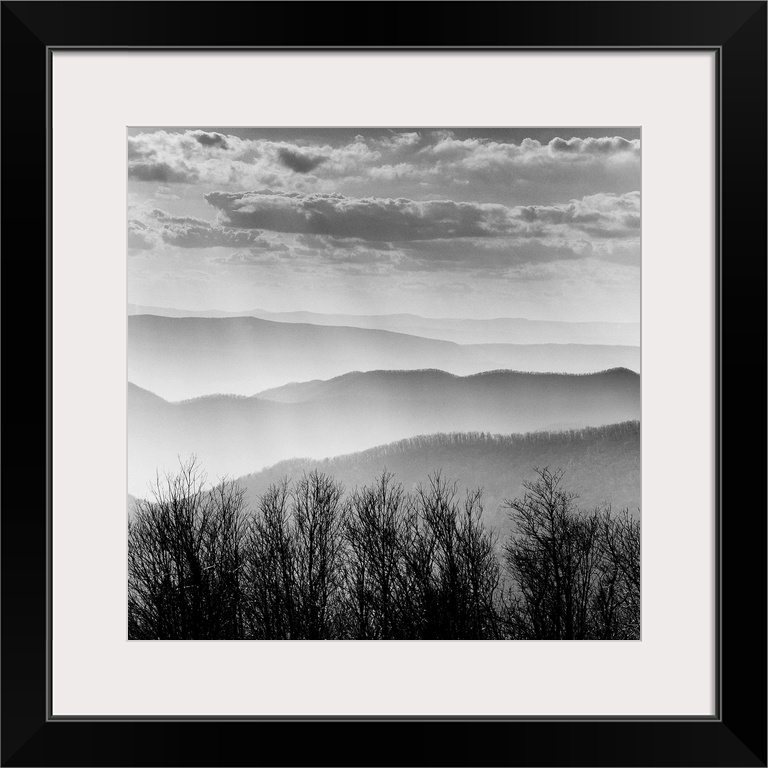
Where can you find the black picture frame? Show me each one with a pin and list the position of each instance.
(736, 735)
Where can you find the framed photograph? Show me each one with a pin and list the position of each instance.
(402, 342)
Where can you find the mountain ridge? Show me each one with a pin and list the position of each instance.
(180, 358)
(300, 391)
(235, 435)
(601, 465)
(461, 330)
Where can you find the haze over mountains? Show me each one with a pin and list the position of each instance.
(500, 330)
(236, 435)
(391, 272)
(180, 358)
(601, 464)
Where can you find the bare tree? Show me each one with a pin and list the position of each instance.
(269, 577)
(552, 558)
(420, 566)
(381, 563)
(184, 559)
(617, 597)
(461, 584)
(318, 517)
(479, 571)
(419, 592)
(575, 574)
(374, 533)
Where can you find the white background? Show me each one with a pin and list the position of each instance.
(96, 670)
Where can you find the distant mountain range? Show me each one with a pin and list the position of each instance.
(500, 330)
(180, 358)
(236, 435)
(601, 465)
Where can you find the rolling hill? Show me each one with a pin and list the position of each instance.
(499, 330)
(235, 435)
(188, 357)
(600, 464)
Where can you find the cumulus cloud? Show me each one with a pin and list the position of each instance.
(401, 219)
(170, 157)
(402, 233)
(162, 172)
(366, 218)
(398, 141)
(602, 215)
(299, 161)
(479, 151)
(602, 146)
(324, 241)
(210, 139)
(206, 236)
(427, 162)
(215, 158)
(401, 214)
(190, 232)
(140, 236)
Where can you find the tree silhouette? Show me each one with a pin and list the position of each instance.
(464, 578)
(576, 574)
(375, 578)
(269, 575)
(315, 562)
(185, 558)
(318, 520)
(617, 598)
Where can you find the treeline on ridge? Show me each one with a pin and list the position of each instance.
(314, 562)
(602, 464)
(525, 440)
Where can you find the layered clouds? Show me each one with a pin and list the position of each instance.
(456, 233)
(431, 161)
(375, 218)
(370, 214)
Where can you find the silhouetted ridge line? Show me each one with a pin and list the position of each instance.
(235, 435)
(182, 358)
(309, 561)
(452, 439)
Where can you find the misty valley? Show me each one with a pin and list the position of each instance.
(319, 488)
(426, 426)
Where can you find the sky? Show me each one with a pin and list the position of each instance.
(542, 223)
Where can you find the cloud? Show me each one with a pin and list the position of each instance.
(161, 172)
(298, 161)
(602, 215)
(324, 241)
(398, 141)
(367, 218)
(138, 151)
(626, 254)
(215, 158)
(171, 157)
(474, 152)
(254, 258)
(418, 164)
(140, 237)
(206, 236)
(165, 193)
(403, 220)
(401, 233)
(189, 232)
(211, 139)
(488, 255)
(393, 172)
(602, 146)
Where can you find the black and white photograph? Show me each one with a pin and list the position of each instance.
(383, 383)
